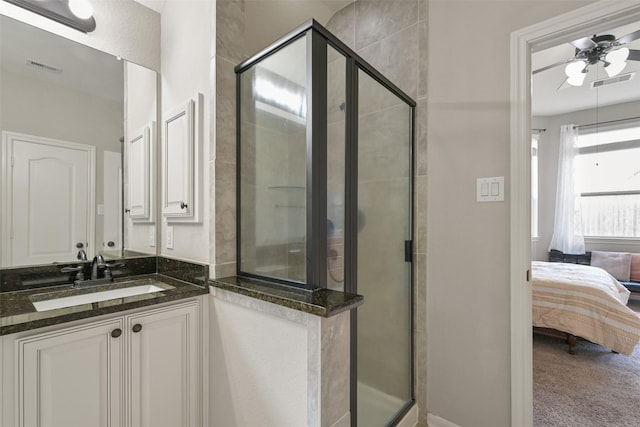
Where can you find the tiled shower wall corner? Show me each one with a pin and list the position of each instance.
(229, 51)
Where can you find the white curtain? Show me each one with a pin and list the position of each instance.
(567, 229)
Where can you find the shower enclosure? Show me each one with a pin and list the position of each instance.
(325, 199)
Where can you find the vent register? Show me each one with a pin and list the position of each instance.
(612, 80)
(43, 67)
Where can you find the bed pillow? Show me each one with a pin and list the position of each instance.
(634, 274)
(618, 264)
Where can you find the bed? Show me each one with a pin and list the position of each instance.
(583, 301)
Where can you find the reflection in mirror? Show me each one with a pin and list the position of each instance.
(68, 112)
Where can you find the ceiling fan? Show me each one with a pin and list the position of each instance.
(591, 50)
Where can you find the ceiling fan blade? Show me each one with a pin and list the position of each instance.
(584, 43)
(545, 68)
(634, 55)
(629, 37)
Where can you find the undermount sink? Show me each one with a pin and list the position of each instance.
(88, 298)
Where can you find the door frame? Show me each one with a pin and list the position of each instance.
(6, 189)
(596, 17)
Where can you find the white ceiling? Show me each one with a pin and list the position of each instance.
(552, 97)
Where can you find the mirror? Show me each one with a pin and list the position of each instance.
(78, 150)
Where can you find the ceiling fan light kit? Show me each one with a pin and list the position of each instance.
(615, 61)
(613, 69)
(576, 72)
(589, 51)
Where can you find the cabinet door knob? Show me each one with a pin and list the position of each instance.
(137, 327)
(116, 333)
(183, 205)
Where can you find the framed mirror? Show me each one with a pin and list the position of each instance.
(79, 148)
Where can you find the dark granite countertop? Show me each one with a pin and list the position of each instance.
(320, 302)
(17, 312)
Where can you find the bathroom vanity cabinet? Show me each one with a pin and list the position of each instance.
(138, 368)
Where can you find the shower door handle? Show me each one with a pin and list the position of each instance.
(408, 251)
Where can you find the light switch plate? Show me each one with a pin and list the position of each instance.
(169, 237)
(152, 235)
(490, 189)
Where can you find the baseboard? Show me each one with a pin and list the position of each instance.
(436, 421)
(410, 419)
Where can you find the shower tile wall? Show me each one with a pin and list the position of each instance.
(228, 39)
(392, 36)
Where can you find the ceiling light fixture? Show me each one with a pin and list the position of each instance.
(81, 8)
(576, 72)
(590, 51)
(77, 14)
(615, 61)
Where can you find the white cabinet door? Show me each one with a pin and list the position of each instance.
(164, 367)
(72, 377)
(179, 133)
(139, 155)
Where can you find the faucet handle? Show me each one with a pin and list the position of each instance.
(70, 269)
(114, 264)
(78, 269)
(108, 267)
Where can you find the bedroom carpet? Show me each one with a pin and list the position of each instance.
(594, 387)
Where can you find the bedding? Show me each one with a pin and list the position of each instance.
(618, 264)
(634, 268)
(585, 301)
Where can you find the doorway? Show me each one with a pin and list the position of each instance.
(598, 17)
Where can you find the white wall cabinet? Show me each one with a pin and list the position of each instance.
(178, 162)
(135, 370)
(140, 171)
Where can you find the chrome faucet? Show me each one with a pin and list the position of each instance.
(82, 255)
(97, 267)
(100, 273)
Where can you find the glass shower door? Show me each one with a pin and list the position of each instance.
(384, 324)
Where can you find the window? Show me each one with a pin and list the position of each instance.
(534, 184)
(608, 178)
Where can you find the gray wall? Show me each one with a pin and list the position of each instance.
(548, 171)
(468, 324)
